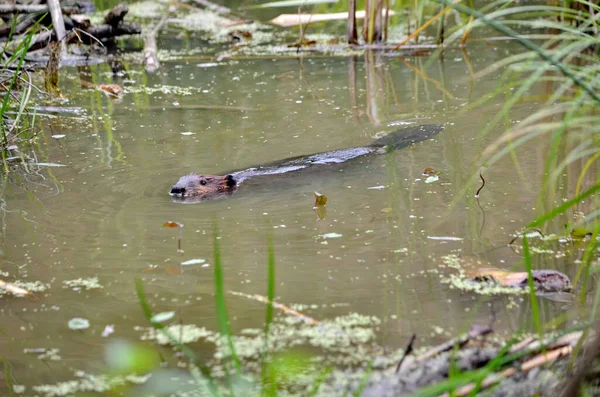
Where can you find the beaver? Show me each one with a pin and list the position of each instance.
(543, 280)
(204, 187)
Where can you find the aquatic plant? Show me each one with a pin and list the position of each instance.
(16, 89)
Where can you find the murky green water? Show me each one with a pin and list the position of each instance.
(102, 215)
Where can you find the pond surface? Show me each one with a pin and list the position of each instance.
(102, 215)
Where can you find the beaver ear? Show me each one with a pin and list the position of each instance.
(230, 181)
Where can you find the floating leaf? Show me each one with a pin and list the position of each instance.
(430, 172)
(111, 89)
(320, 199)
(431, 179)
(162, 317)
(386, 210)
(172, 224)
(78, 323)
(578, 232)
(174, 270)
(58, 136)
(193, 262)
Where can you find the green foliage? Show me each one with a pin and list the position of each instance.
(221, 306)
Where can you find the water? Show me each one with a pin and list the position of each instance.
(102, 215)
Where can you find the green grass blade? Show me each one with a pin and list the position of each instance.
(527, 44)
(535, 309)
(364, 380)
(139, 288)
(270, 284)
(319, 381)
(268, 388)
(221, 306)
(564, 206)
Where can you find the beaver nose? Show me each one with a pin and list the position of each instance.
(177, 190)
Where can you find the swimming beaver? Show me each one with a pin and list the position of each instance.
(204, 187)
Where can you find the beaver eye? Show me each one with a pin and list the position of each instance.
(203, 182)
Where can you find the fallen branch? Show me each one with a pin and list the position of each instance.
(476, 331)
(214, 7)
(29, 9)
(100, 32)
(25, 23)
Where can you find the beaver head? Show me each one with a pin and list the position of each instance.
(203, 187)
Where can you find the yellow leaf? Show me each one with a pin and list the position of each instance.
(320, 199)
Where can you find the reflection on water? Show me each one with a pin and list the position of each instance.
(102, 215)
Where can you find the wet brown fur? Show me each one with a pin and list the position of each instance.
(203, 186)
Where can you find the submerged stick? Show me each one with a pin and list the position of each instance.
(276, 305)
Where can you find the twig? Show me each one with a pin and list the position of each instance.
(407, 350)
(475, 332)
(482, 185)
(276, 305)
(591, 353)
(525, 231)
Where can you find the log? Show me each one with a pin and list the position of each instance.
(31, 9)
(100, 32)
(108, 31)
(116, 14)
(25, 23)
